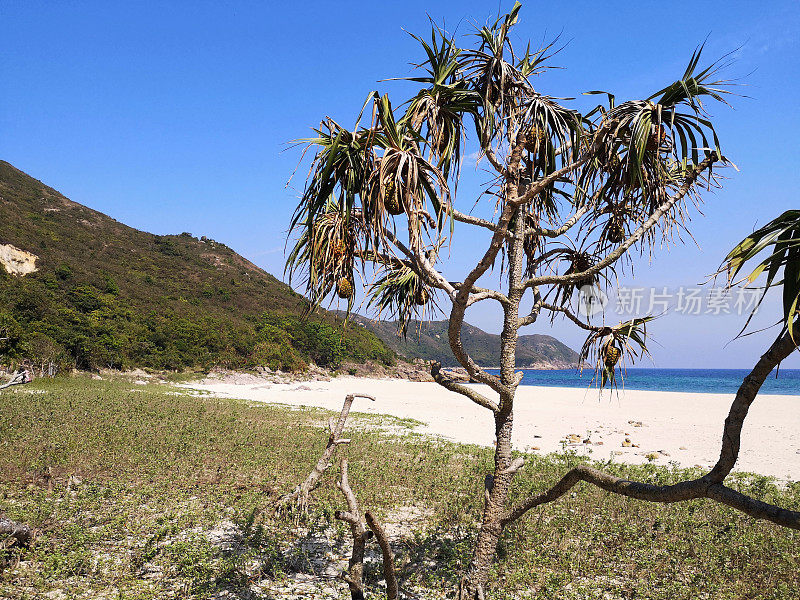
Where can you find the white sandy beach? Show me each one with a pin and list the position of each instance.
(680, 427)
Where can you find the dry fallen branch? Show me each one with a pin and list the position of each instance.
(301, 492)
(17, 378)
(355, 568)
(13, 533)
(388, 556)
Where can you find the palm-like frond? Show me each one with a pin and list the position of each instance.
(441, 110)
(562, 128)
(608, 347)
(437, 112)
(491, 71)
(401, 293)
(358, 172)
(325, 252)
(780, 240)
(339, 169)
(639, 122)
(536, 62)
(646, 147)
(691, 88)
(420, 184)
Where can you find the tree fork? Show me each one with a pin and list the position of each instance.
(355, 567)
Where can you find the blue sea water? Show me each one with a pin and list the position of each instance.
(715, 381)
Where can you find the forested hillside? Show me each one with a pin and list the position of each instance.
(105, 295)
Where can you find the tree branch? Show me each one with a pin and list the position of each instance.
(643, 491)
(457, 346)
(685, 490)
(570, 316)
(355, 568)
(21, 534)
(746, 394)
(643, 228)
(388, 556)
(569, 223)
(384, 259)
(438, 281)
(17, 378)
(461, 301)
(480, 294)
(424, 268)
(755, 508)
(710, 485)
(515, 466)
(471, 220)
(493, 160)
(538, 302)
(559, 231)
(532, 266)
(539, 186)
(449, 384)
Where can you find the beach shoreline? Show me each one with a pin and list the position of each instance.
(630, 426)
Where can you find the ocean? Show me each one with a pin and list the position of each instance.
(715, 381)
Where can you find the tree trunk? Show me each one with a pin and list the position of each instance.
(497, 487)
(499, 483)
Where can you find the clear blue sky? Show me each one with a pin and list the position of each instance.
(175, 117)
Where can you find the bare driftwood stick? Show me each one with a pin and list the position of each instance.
(12, 533)
(17, 378)
(710, 485)
(301, 492)
(388, 556)
(355, 568)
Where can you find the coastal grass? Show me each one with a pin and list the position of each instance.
(129, 483)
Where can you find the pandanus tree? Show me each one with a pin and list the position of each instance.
(572, 197)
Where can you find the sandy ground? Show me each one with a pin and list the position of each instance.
(668, 426)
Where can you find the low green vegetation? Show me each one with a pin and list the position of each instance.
(133, 486)
(109, 296)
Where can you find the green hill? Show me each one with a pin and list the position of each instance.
(105, 295)
(428, 341)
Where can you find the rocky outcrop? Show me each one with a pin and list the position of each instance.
(16, 261)
(417, 370)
